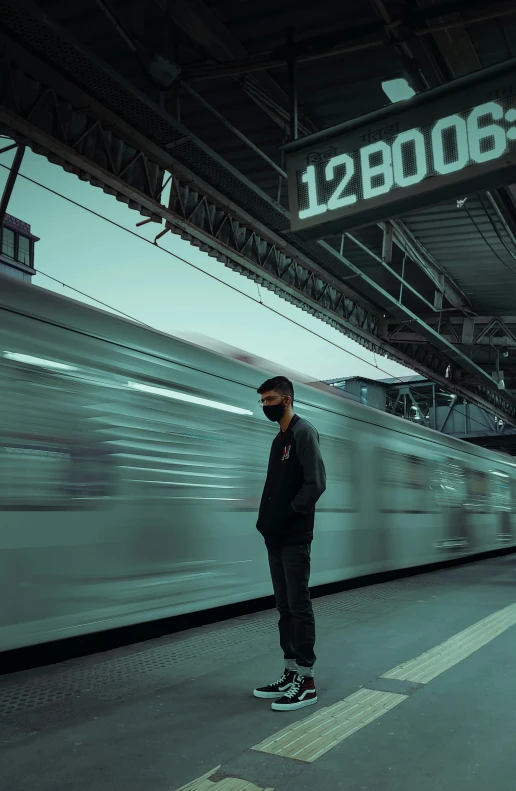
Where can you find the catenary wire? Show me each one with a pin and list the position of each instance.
(94, 299)
(185, 261)
(199, 269)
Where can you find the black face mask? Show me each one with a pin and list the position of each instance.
(274, 412)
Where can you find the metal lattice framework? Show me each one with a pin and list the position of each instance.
(100, 148)
(131, 149)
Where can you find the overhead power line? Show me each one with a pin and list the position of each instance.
(197, 268)
(184, 261)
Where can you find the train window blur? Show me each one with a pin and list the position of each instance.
(406, 470)
(477, 483)
(341, 467)
(450, 483)
(51, 456)
(405, 483)
(500, 491)
(478, 490)
(32, 475)
(416, 473)
(392, 467)
(47, 475)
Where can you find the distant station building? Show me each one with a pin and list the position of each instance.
(372, 392)
(419, 400)
(17, 249)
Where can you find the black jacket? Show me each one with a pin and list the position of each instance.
(296, 478)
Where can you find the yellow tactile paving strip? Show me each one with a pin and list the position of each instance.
(310, 738)
(204, 783)
(434, 662)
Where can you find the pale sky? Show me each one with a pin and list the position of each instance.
(110, 265)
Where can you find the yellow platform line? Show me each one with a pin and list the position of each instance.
(310, 738)
(204, 783)
(432, 663)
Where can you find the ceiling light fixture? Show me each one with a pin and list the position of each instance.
(398, 90)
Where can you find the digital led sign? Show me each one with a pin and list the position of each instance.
(446, 142)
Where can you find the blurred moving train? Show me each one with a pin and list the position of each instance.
(131, 466)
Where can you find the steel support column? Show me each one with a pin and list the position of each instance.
(292, 83)
(11, 180)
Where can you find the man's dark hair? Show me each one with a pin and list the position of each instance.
(279, 383)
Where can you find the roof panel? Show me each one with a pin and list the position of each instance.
(470, 244)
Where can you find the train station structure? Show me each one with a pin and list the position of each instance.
(358, 160)
(414, 679)
(419, 400)
(207, 114)
(17, 248)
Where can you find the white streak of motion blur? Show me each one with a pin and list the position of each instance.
(180, 483)
(162, 391)
(176, 472)
(222, 499)
(29, 360)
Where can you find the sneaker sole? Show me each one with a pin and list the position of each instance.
(293, 706)
(270, 695)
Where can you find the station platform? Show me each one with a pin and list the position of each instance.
(416, 681)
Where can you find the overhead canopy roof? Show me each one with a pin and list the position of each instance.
(441, 300)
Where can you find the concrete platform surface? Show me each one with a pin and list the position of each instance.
(416, 682)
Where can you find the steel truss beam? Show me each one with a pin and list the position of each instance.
(202, 25)
(368, 36)
(482, 331)
(54, 117)
(445, 287)
(421, 357)
(100, 148)
(205, 28)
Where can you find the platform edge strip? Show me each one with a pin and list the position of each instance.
(310, 738)
(437, 660)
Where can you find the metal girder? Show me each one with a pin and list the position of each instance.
(58, 114)
(366, 36)
(444, 283)
(395, 36)
(201, 24)
(127, 154)
(137, 122)
(82, 141)
(464, 330)
(412, 337)
(424, 360)
(206, 29)
(454, 354)
(244, 250)
(11, 179)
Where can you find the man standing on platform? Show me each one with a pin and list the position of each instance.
(295, 480)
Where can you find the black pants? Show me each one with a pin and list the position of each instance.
(290, 573)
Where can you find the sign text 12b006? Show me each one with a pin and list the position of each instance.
(375, 173)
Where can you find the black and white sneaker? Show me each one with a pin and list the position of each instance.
(301, 693)
(279, 687)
